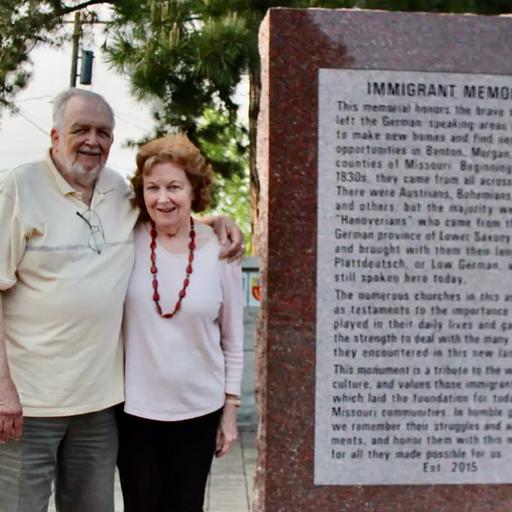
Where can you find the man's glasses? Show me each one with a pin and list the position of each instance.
(97, 235)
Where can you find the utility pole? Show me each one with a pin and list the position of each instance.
(87, 56)
(76, 42)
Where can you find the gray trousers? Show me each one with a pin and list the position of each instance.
(77, 452)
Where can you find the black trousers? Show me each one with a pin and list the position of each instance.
(164, 465)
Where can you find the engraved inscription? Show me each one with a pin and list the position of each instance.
(414, 295)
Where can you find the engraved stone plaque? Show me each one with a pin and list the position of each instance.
(414, 279)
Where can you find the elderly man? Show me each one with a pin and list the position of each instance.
(65, 257)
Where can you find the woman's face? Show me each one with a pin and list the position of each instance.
(168, 196)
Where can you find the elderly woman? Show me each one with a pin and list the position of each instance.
(183, 337)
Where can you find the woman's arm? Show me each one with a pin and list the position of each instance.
(232, 342)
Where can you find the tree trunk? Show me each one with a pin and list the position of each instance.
(254, 190)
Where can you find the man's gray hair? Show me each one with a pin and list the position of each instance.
(61, 100)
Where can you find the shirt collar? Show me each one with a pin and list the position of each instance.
(64, 187)
(104, 183)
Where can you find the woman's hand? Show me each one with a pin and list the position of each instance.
(227, 433)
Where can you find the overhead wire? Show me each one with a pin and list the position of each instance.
(22, 100)
(35, 125)
(125, 119)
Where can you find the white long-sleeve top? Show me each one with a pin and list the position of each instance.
(181, 367)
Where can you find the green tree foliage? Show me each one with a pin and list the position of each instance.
(231, 194)
(24, 24)
(191, 55)
(187, 57)
(228, 45)
(453, 6)
(19, 33)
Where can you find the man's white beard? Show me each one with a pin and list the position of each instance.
(84, 176)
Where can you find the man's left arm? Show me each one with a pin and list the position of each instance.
(229, 234)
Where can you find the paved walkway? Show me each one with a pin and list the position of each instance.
(231, 480)
(232, 477)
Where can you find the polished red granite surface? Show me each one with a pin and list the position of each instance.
(294, 44)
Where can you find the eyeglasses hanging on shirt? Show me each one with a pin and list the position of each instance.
(97, 235)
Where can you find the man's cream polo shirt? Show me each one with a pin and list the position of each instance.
(62, 301)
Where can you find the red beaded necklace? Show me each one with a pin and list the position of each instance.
(188, 270)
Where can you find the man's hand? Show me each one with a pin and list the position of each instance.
(11, 415)
(230, 237)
